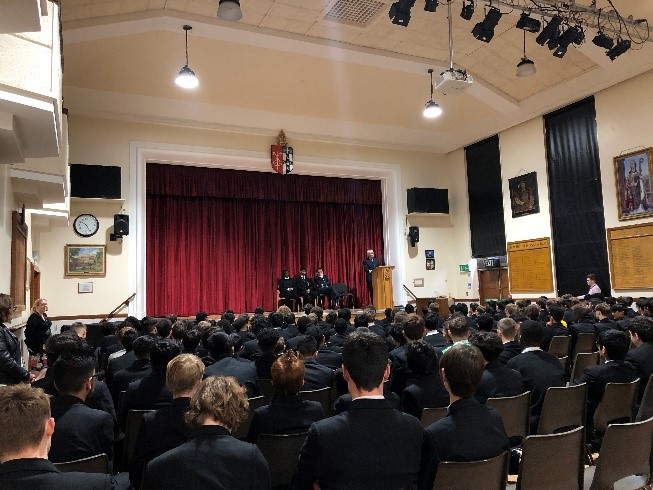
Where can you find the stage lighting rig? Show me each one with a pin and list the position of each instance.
(484, 31)
(549, 31)
(620, 48)
(603, 41)
(572, 35)
(468, 9)
(400, 12)
(528, 23)
(430, 5)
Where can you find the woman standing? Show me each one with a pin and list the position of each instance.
(37, 331)
(11, 369)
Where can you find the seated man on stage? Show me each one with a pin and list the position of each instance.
(323, 287)
(286, 287)
(304, 287)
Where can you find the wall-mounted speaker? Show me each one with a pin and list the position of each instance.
(413, 235)
(427, 200)
(121, 225)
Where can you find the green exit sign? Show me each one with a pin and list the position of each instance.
(463, 267)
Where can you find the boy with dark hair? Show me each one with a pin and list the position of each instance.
(372, 445)
(470, 431)
(426, 389)
(641, 357)
(554, 327)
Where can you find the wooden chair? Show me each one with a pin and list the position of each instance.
(323, 396)
(646, 407)
(617, 403)
(488, 474)
(582, 362)
(133, 423)
(552, 461)
(564, 406)
(430, 415)
(515, 413)
(281, 301)
(281, 452)
(585, 343)
(243, 428)
(92, 464)
(560, 345)
(625, 451)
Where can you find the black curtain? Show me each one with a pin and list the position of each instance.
(577, 219)
(486, 224)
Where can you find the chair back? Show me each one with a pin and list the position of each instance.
(430, 415)
(582, 362)
(553, 461)
(281, 451)
(323, 396)
(560, 345)
(267, 390)
(341, 292)
(585, 343)
(564, 362)
(646, 407)
(488, 474)
(625, 451)
(132, 427)
(92, 464)
(564, 406)
(515, 413)
(243, 428)
(617, 403)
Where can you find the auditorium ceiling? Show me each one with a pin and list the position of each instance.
(288, 64)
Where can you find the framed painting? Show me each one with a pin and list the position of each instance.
(524, 199)
(85, 260)
(633, 178)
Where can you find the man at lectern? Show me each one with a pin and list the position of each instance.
(370, 263)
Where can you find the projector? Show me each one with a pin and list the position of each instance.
(453, 82)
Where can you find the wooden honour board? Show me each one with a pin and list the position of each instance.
(529, 266)
(631, 256)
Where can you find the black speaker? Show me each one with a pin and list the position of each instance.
(413, 235)
(427, 200)
(95, 181)
(121, 224)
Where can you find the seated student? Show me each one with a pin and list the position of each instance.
(470, 431)
(304, 287)
(457, 331)
(190, 341)
(26, 429)
(316, 376)
(613, 347)
(268, 338)
(554, 327)
(79, 329)
(81, 432)
(641, 357)
(618, 312)
(212, 458)
(221, 349)
(302, 324)
(287, 413)
(326, 356)
(507, 330)
(151, 392)
(136, 371)
(370, 446)
(323, 288)
(340, 336)
(498, 380)
(286, 287)
(425, 390)
(166, 428)
(540, 369)
(604, 322)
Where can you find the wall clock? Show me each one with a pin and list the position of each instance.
(86, 225)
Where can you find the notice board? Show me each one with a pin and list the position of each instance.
(529, 265)
(630, 250)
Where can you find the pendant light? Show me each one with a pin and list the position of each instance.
(431, 109)
(229, 10)
(186, 77)
(526, 67)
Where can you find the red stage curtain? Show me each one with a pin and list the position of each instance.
(218, 239)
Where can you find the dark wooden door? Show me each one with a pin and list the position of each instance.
(493, 284)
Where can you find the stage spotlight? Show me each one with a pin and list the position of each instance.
(603, 41)
(528, 23)
(549, 31)
(484, 31)
(468, 10)
(400, 12)
(572, 35)
(430, 5)
(620, 48)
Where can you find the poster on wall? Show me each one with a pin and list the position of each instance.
(523, 195)
(633, 177)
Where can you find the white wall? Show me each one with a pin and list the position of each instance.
(6, 208)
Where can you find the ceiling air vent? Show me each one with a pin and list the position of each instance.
(354, 12)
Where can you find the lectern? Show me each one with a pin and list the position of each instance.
(382, 285)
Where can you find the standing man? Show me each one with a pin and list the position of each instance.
(369, 264)
(594, 288)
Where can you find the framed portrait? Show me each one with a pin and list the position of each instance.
(85, 260)
(84, 287)
(633, 177)
(430, 254)
(430, 264)
(524, 199)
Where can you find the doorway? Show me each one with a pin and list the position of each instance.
(493, 284)
(34, 283)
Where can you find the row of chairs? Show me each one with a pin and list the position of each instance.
(345, 298)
